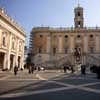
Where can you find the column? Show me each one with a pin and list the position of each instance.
(17, 50)
(97, 43)
(14, 61)
(60, 44)
(0, 37)
(85, 48)
(10, 46)
(22, 57)
(72, 43)
(48, 44)
(7, 61)
(85, 43)
(72, 48)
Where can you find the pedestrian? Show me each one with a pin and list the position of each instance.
(32, 68)
(15, 69)
(83, 69)
(29, 68)
(98, 72)
(64, 68)
(72, 69)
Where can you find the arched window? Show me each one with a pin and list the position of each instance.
(78, 14)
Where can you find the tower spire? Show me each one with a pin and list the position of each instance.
(78, 3)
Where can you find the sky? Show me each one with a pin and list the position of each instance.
(52, 13)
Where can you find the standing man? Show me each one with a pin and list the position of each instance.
(15, 69)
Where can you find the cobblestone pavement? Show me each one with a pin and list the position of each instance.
(50, 85)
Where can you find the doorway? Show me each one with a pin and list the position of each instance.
(11, 61)
(2, 60)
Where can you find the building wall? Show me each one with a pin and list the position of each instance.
(12, 42)
(66, 42)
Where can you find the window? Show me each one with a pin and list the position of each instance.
(54, 50)
(79, 24)
(91, 49)
(40, 50)
(66, 50)
(4, 41)
(91, 36)
(78, 13)
(13, 43)
(4, 37)
(66, 36)
(41, 36)
(78, 36)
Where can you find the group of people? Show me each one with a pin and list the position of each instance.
(68, 67)
(95, 69)
(33, 67)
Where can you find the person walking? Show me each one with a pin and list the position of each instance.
(98, 72)
(15, 69)
(72, 69)
(32, 68)
(29, 69)
(83, 69)
(64, 68)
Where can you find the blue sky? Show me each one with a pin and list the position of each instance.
(53, 13)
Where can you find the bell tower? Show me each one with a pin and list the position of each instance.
(78, 19)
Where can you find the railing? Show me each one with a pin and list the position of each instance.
(66, 28)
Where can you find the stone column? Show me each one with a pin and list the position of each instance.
(0, 37)
(97, 44)
(10, 46)
(48, 44)
(60, 44)
(72, 48)
(14, 61)
(72, 43)
(22, 57)
(17, 50)
(85, 44)
(7, 61)
(85, 48)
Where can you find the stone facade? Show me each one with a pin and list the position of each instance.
(58, 44)
(12, 42)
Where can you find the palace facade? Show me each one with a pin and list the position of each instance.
(56, 46)
(12, 42)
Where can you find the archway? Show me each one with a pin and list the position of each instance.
(2, 60)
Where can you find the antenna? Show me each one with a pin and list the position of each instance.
(78, 3)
